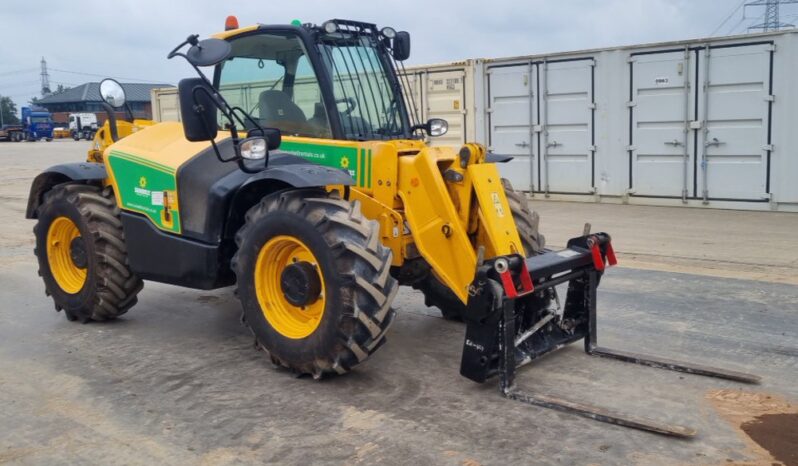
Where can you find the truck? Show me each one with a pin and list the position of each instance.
(9, 132)
(82, 126)
(35, 124)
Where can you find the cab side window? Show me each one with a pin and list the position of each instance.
(271, 79)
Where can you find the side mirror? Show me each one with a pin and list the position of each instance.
(112, 92)
(437, 127)
(401, 46)
(433, 127)
(273, 137)
(209, 52)
(197, 109)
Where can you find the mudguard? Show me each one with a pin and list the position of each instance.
(284, 171)
(300, 173)
(63, 173)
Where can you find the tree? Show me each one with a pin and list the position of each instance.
(61, 88)
(8, 110)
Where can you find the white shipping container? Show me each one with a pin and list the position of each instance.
(165, 105)
(444, 91)
(704, 123)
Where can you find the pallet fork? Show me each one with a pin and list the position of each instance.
(513, 317)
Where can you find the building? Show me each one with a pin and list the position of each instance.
(86, 99)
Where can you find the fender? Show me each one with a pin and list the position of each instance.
(58, 174)
(284, 171)
(300, 173)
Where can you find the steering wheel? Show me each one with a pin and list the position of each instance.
(350, 102)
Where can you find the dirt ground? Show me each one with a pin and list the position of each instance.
(177, 381)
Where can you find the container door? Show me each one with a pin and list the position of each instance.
(511, 115)
(734, 138)
(445, 98)
(662, 105)
(567, 139)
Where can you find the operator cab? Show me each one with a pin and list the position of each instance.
(336, 81)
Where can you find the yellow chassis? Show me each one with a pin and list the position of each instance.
(421, 213)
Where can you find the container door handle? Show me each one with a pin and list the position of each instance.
(713, 142)
(674, 143)
(522, 144)
(553, 144)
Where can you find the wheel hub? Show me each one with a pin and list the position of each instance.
(300, 283)
(77, 252)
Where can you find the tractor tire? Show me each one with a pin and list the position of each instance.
(314, 281)
(88, 278)
(526, 221)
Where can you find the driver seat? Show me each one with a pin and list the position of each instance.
(278, 111)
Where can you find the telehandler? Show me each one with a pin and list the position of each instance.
(300, 175)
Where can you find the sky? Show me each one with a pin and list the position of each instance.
(129, 40)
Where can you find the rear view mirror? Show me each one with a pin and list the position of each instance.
(208, 52)
(272, 136)
(112, 92)
(401, 46)
(437, 127)
(197, 109)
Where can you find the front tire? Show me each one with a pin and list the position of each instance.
(314, 282)
(526, 221)
(82, 255)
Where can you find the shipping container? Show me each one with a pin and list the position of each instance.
(445, 91)
(703, 123)
(165, 104)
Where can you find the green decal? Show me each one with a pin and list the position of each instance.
(147, 187)
(361, 168)
(368, 170)
(332, 156)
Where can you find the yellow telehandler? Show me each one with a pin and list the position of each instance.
(300, 174)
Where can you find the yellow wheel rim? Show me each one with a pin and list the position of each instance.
(289, 320)
(69, 276)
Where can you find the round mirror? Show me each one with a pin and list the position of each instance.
(112, 92)
(209, 52)
(437, 127)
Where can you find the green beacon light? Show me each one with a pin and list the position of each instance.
(296, 23)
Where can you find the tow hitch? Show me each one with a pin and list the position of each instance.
(513, 317)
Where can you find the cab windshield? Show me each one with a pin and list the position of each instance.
(368, 103)
(270, 77)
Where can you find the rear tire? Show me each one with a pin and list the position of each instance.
(526, 221)
(89, 279)
(346, 320)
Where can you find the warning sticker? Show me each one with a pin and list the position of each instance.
(497, 204)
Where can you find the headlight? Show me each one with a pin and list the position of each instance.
(330, 27)
(388, 32)
(253, 148)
